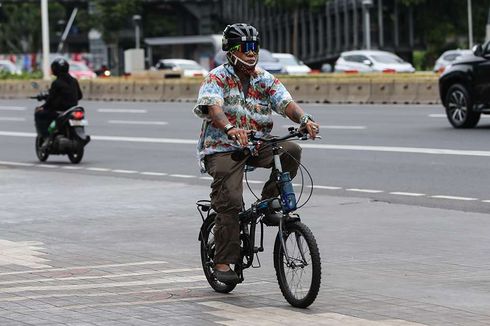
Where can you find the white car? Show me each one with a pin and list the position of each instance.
(371, 61)
(448, 58)
(291, 64)
(9, 67)
(188, 68)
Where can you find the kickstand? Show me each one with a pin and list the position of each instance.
(258, 261)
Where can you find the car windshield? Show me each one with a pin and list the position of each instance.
(266, 56)
(290, 61)
(387, 58)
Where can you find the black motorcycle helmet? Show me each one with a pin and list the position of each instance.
(236, 33)
(60, 66)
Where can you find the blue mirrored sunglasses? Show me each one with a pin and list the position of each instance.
(245, 47)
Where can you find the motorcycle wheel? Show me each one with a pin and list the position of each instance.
(76, 156)
(42, 155)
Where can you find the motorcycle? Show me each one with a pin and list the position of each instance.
(66, 133)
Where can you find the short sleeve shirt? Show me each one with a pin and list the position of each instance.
(222, 87)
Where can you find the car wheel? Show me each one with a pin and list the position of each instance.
(459, 108)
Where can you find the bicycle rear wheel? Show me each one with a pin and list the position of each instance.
(300, 278)
(207, 256)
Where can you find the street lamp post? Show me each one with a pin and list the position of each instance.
(45, 37)
(137, 20)
(366, 4)
(470, 25)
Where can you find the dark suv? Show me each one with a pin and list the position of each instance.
(464, 88)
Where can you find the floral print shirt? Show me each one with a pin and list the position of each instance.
(222, 87)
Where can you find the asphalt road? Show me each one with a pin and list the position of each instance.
(399, 154)
(400, 216)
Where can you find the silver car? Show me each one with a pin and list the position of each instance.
(371, 61)
(448, 58)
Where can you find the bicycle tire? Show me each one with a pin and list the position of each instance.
(207, 254)
(312, 257)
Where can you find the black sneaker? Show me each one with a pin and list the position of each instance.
(228, 277)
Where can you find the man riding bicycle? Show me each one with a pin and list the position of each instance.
(235, 99)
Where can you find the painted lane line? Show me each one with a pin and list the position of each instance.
(12, 119)
(125, 122)
(453, 198)
(326, 187)
(157, 174)
(104, 277)
(72, 167)
(74, 268)
(104, 110)
(98, 169)
(411, 150)
(167, 280)
(12, 108)
(370, 191)
(185, 176)
(15, 163)
(206, 178)
(124, 171)
(334, 127)
(411, 194)
(46, 166)
(485, 201)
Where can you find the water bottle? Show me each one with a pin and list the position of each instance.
(52, 127)
(288, 198)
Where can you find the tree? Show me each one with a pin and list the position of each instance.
(20, 30)
(112, 17)
(294, 6)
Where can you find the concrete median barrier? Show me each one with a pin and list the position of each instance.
(404, 92)
(381, 91)
(86, 87)
(148, 91)
(427, 93)
(126, 91)
(338, 91)
(359, 91)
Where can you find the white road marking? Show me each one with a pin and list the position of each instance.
(485, 201)
(370, 191)
(334, 127)
(126, 122)
(22, 254)
(47, 166)
(15, 163)
(158, 174)
(185, 176)
(124, 171)
(411, 150)
(64, 269)
(12, 108)
(12, 119)
(167, 280)
(206, 178)
(237, 315)
(46, 279)
(325, 187)
(98, 169)
(412, 194)
(104, 110)
(72, 167)
(454, 198)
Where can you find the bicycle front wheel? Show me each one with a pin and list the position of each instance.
(298, 266)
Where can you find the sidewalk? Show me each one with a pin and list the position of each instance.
(89, 249)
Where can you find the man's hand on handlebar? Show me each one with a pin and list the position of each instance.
(312, 128)
(240, 136)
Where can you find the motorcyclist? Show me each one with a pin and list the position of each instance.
(64, 93)
(234, 99)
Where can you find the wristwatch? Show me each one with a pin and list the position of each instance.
(304, 118)
(228, 127)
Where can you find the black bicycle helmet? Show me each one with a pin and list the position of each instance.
(60, 66)
(239, 32)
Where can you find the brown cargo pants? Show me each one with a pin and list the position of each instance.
(227, 191)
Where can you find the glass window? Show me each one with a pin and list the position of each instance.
(387, 58)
